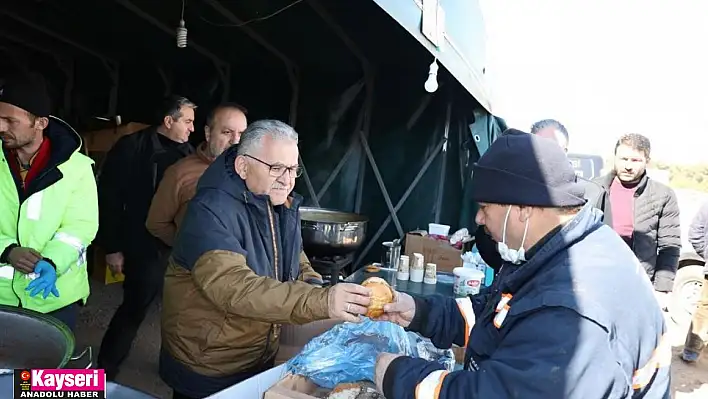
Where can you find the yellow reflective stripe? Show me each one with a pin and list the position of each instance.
(660, 358)
(465, 306)
(430, 387)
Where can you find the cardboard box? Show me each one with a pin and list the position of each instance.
(275, 383)
(445, 256)
(104, 139)
(254, 387)
(293, 338)
(295, 387)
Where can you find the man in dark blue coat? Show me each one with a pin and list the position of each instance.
(571, 314)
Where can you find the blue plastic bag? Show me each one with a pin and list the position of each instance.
(348, 352)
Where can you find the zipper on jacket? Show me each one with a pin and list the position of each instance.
(17, 233)
(634, 219)
(275, 246)
(274, 328)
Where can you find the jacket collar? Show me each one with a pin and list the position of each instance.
(606, 182)
(586, 221)
(203, 153)
(221, 175)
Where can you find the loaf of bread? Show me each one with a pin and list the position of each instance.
(363, 390)
(381, 294)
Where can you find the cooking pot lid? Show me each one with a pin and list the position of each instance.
(330, 215)
(33, 340)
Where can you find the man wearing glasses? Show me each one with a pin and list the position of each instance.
(237, 270)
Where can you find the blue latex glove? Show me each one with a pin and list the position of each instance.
(46, 281)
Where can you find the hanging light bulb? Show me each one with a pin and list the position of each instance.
(181, 35)
(431, 84)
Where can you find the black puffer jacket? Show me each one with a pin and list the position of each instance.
(657, 230)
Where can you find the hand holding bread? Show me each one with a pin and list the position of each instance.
(347, 301)
(387, 304)
(381, 294)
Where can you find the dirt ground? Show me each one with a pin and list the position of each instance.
(140, 369)
(689, 381)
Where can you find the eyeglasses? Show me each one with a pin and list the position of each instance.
(278, 170)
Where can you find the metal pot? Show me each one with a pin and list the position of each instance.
(326, 232)
(30, 340)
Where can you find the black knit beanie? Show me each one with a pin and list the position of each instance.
(524, 169)
(27, 91)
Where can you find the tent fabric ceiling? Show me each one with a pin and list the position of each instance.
(327, 67)
(110, 28)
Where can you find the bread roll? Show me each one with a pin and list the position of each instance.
(381, 294)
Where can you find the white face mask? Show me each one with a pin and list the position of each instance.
(514, 256)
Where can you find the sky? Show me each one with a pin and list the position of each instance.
(604, 68)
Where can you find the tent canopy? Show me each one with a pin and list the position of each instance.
(345, 74)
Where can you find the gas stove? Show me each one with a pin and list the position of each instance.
(332, 268)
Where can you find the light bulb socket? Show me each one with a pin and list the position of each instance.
(181, 35)
(433, 70)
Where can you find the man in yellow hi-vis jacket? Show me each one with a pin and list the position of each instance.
(49, 205)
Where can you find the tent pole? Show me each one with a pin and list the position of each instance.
(114, 73)
(344, 159)
(402, 201)
(67, 66)
(292, 119)
(336, 171)
(443, 167)
(364, 132)
(290, 68)
(165, 80)
(368, 76)
(382, 186)
(463, 151)
(424, 102)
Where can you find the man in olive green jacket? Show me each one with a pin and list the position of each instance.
(49, 205)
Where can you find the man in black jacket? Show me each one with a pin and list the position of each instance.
(594, 193)
(645, 212)
(128, 181)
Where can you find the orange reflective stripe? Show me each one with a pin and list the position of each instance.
(503, 302)
(501, 315)
(661, 357)
(502, 310)
(431, 385)
(465, 306)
